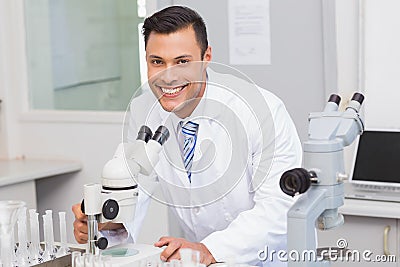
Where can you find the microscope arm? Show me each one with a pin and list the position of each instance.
(303, 214)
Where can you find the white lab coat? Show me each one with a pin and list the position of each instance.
(234, 221)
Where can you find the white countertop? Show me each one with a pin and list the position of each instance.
(17, 171)
(371, 208)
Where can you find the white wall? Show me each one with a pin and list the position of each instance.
(369, 59)
(347, 28)
(10, 77)
(381, 56)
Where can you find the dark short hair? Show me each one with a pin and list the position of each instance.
(175, 18)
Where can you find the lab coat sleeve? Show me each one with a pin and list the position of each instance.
(266, 223)
(116, 236)
(142, 205)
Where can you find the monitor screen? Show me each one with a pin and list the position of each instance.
(378, 157)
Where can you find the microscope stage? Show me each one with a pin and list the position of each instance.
(135, 255)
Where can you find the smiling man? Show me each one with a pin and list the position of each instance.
(172, 38)
(230, 143)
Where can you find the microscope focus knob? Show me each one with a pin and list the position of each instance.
(101, 243)
(110, 209)
(296, 181)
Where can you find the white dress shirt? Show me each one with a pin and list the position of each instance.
(246, 140)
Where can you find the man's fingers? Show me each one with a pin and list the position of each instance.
(76, 209)
(163, 241)
(175, 256)
(110, 226)
(171, 249)
(80, 237)
(80, 226)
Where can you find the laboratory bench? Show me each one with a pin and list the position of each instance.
(18, 177)
(368, 225)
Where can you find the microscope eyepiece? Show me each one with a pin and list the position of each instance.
(144, 133)
(335, 99)
(355, 103)
(295, 181)
(358, 97)
(161, 135)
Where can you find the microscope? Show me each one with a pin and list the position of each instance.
(115, 199)
(321, 180)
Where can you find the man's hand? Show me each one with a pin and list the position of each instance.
(175, 244)
(80, 225)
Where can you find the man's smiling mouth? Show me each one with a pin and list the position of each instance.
(173, 90)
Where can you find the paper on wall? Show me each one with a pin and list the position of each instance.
(249, 32)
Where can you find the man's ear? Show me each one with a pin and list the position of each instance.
(207, 56)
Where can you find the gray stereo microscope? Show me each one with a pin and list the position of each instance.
(321, 179)
(115, 199)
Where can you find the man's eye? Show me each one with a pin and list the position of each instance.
(183, 61)
(156, 62)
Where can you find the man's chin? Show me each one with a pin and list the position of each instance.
(170, 107)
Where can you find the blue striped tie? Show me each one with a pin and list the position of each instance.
(189, 131)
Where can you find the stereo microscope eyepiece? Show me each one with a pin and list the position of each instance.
(295, 181)
(144, 133)
(333, 103)
(161, 135)
(355, 102)
(335, 99)
(358, 97)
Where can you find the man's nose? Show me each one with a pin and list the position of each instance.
(169, 76)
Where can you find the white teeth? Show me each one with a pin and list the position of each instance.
(171, 90)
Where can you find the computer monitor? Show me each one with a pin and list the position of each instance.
(377, 158)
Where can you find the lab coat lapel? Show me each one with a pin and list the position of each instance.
(171, 171)
(211, 111)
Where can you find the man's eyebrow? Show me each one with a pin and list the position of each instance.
(154, 56)
(179, 57)
(183, 56)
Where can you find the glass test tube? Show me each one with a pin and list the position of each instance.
(50, 230)
(8, 216)
(74, 258)
(48, 253)
(22, 253)
(63, 250)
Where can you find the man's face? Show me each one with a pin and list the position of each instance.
(175, 71)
